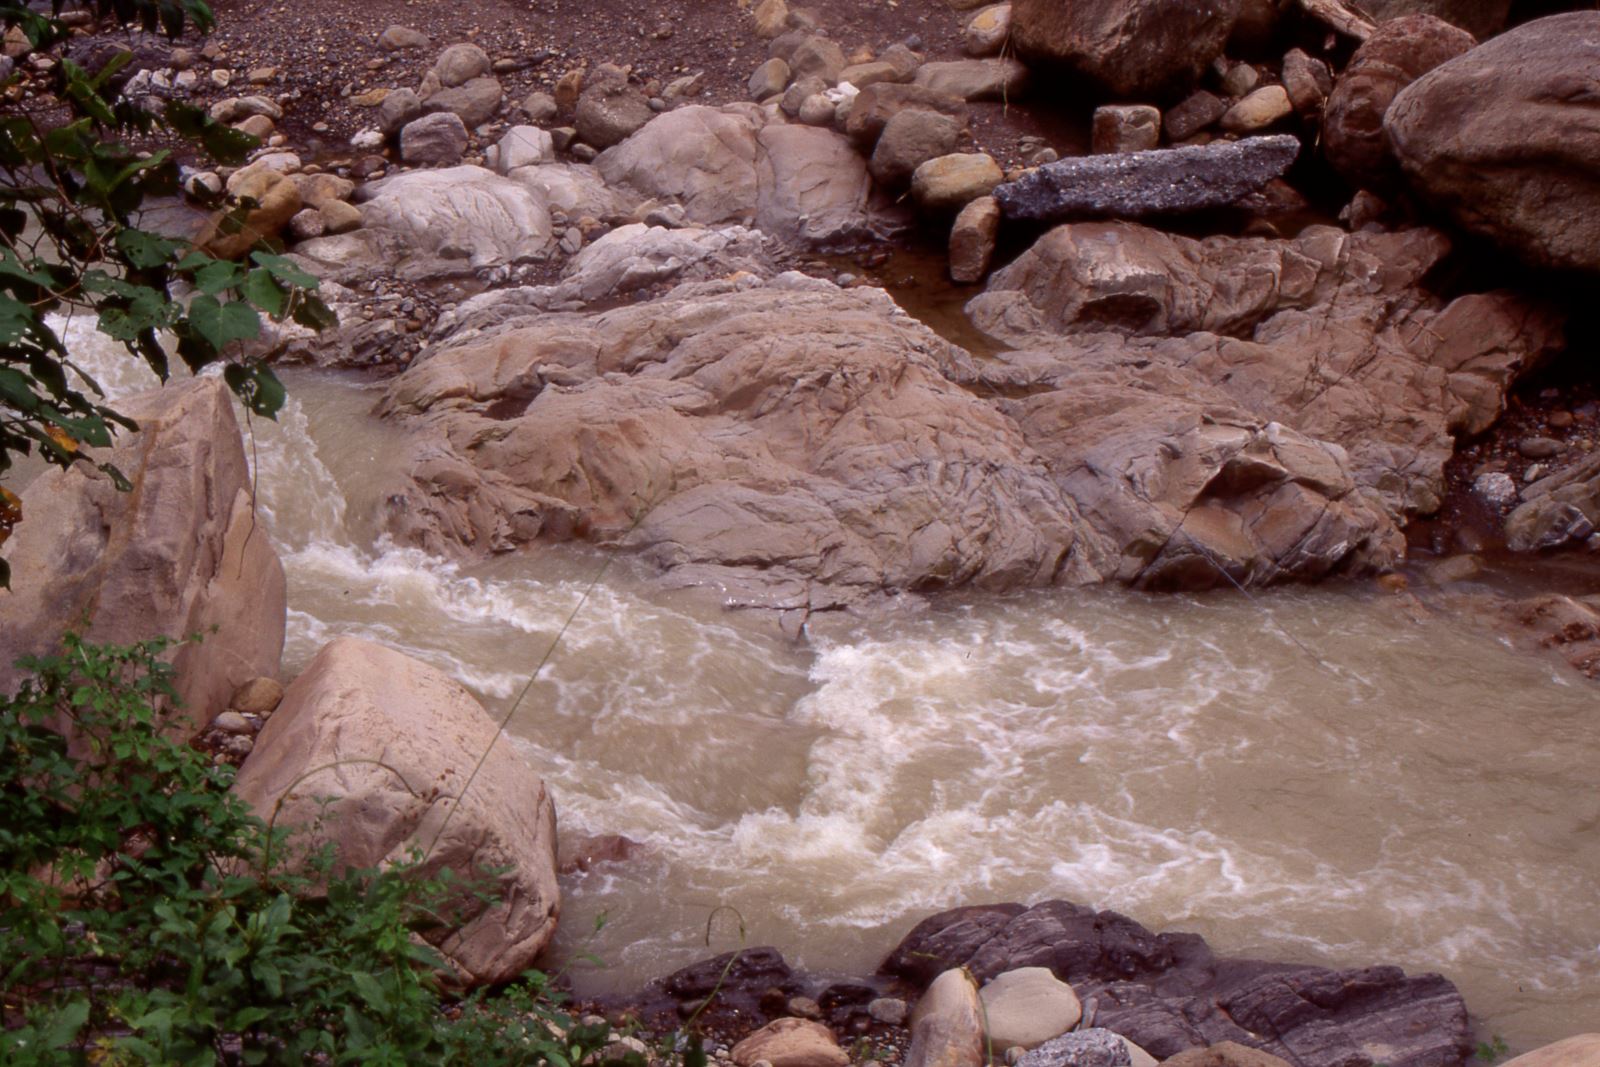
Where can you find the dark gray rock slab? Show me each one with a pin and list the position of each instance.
(1169, 992)
(1165, 181)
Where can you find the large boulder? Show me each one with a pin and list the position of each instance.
(1165, 181)
(728, 165)
(1396, 55)
(181, 553)
(316, 766)
(1481, 18)
(798, 444)
(427, 223)
(1505, 139)
(1330, 335)
(1170, 993)
(1136, 49)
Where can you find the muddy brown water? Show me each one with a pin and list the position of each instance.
(1331, 775)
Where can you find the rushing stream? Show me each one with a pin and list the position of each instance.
(1332, 775)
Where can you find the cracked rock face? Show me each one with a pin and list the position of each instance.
(1175, 414)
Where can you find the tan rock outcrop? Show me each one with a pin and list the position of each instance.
(181, 553)
(394, 746)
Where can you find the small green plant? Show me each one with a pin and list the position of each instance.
(1493, 1049)
(141, 922)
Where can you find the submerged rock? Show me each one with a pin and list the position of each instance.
(1167, 181)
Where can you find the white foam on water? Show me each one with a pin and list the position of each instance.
(1424, 795)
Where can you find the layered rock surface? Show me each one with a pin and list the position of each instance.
(180, 554)
(393, 745)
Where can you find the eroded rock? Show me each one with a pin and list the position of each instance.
(358, 702)
(181, 553)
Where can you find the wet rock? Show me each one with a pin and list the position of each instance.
(753, 970)
(1028, 1007)
(1164, 182)
(1125, 128)
(946, 184)
(1284, 305)
(947, 1026)
(986, 32)
(1497, 138)
(776, 525)
(1262, 109)
(1558, 509)
(440, 138)
(459, 64)
(1462, 568)
(1094, 1047)
(1391, 59)
(1308, 82)
(877, 104)
(1169, 992)
(910, 139)
(358, 701)
(475, 102)
(610, 111)
(769, 79)
(975, 79)
(1195, 113)
(1136, 49)
(947, 939)
(172, 558)
(972, 240)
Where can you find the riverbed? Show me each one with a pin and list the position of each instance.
(1340, 775)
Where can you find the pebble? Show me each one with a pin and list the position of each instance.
(1560, 420)
(804, 1008)
(891, 1011)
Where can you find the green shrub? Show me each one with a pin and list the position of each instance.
(140, 921)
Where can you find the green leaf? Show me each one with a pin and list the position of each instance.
(145, 250)
(217, 275)
(262, 290)
(285, 270)
(312, 313)
(257, 386)
(16, 389)
(221, 324)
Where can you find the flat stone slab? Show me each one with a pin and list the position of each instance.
(1163, 181)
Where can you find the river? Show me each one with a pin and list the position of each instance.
(1335, 775)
